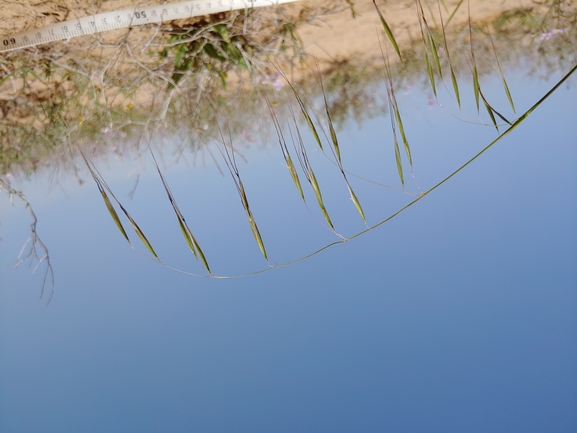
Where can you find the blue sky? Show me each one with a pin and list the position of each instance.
(458, 315)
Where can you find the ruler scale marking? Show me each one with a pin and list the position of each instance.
(126, 18)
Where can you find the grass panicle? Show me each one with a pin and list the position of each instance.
(337, 151)
(304, 111)
(111, 209)
(308, 170)
(103, 187)
(284, 149)
(186, 232)
(396, 120)
(230, 161)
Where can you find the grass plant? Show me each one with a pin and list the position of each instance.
(199, 72)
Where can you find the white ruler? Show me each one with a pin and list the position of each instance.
(127, 18)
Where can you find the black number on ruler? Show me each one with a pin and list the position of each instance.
(10, 41)
(141, 14)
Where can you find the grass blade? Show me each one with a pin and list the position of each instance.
(491, 115)
(476, 86)
(309, 122)
(455, 87)
(294, 175)
(251, 221)
(319, 197)
(111, 210)
(388, 31)
(402, 131)
(398, 159)
(505, 86)
(446, 45)
(357, 203)
(509, 97)
(334, 138)
(454, 12)
(139, 232)
(428, 38)
(431, 74)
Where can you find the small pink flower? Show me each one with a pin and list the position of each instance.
(275, 80)
(550, 34)
(244, 134)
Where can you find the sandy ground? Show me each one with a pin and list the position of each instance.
(340, 36)
(335, 36)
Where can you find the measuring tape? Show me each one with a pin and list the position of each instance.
(125, 19)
